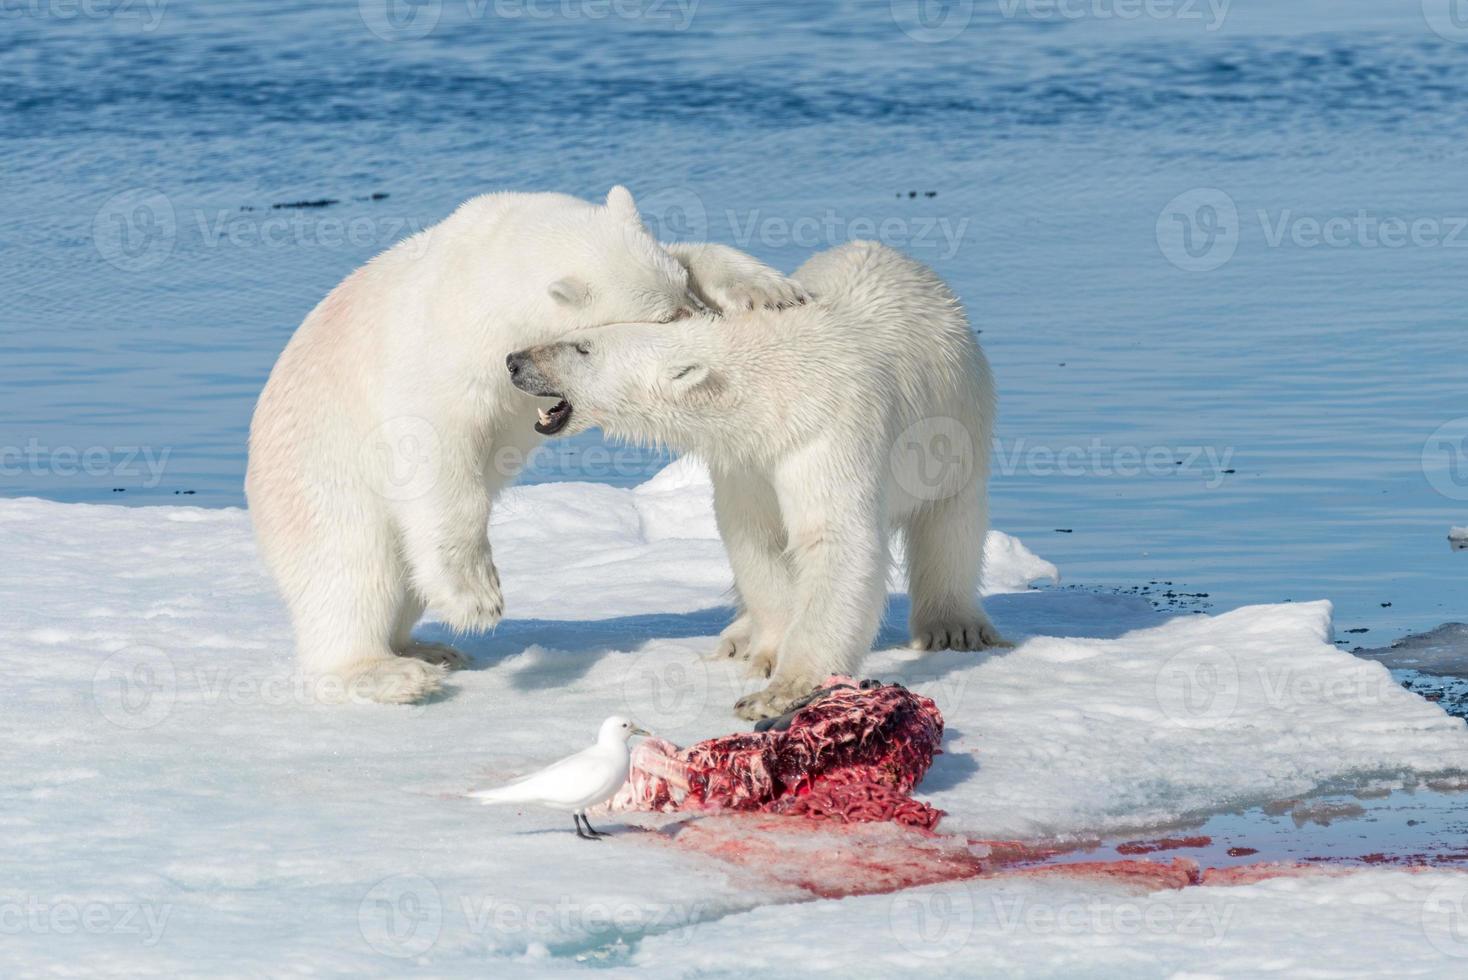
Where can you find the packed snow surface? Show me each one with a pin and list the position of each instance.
(1368, 924)
(173, 801)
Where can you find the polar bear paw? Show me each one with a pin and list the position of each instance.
(756, 288)
(738, 642)
(440, 654)
(761, 663)
(474, 602)
(734, 642)
(395, 680)
(772, 702)
(974, 633)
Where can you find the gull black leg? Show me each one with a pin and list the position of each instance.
(576, 818)
(594, 832)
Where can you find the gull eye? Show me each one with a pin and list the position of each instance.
(583, 349)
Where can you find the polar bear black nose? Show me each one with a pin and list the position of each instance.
(515, 362)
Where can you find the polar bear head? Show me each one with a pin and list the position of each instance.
(598, 264)
(663, 384)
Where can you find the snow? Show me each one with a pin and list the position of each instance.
(1370, 924)
(1069, 735)
(174, 802)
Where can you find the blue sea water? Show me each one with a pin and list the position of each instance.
(1217, 251)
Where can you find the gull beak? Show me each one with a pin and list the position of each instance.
(637, 730)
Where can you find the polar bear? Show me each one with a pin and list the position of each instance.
(388, 424)
(825, 427)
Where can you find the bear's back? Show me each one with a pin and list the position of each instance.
(892, 319)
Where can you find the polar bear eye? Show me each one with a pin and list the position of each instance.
(583, 349)
(682, 313)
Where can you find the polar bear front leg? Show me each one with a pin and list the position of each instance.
(404, 645)
(343, 602)
(445, 534)
(945, 558)
(728, 280)
(837, 549)
(748, 516)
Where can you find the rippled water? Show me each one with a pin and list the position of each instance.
(1137, 212)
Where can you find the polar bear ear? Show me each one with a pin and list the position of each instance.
(620, 203)
(570, 291)
(695, 379)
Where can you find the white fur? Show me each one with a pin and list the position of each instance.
(389, 424)
(825, 427)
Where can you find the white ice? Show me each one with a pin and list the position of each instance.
(172, 802)
(1368, 924)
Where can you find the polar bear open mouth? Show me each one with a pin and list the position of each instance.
(555, 419)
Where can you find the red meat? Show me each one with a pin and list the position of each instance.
(852, 755)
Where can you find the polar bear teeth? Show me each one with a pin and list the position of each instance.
(554, 419)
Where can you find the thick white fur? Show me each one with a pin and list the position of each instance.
(825, 427)
(388, 424)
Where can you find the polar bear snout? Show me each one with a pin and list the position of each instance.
(526, 375)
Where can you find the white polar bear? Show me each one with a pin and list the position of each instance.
(388, 423)
(825, 427)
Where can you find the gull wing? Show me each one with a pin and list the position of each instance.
(565, 783)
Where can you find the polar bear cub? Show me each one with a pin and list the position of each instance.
(388, 424)
(825, 427)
